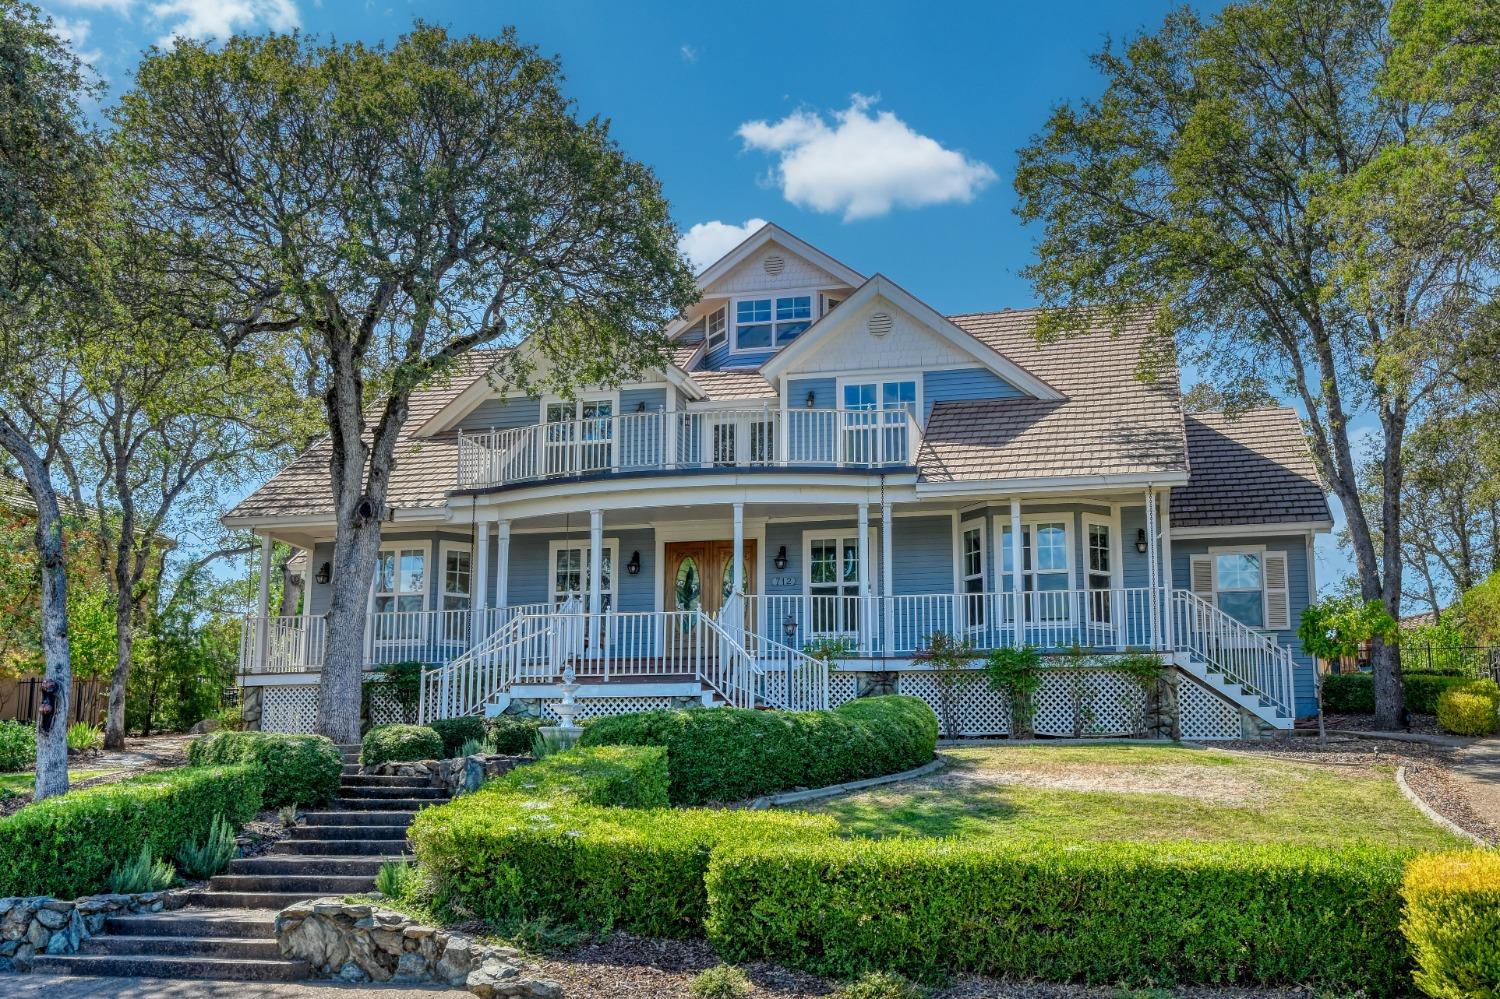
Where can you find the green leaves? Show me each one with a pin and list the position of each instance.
(1336, 627)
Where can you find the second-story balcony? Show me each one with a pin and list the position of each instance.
(762, 438)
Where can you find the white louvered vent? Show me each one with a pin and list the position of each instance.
(880, 323)
(774, 264)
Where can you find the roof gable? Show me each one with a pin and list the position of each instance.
(917, 336)
(801, 264)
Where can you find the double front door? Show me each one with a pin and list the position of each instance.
(700, 574)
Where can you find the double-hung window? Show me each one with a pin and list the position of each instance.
(833, 583)
(1101, 560)
(1249, 585)
(766, 323)
(717, 329)
(400, 593)
(458, 580)
(570, 573)
(1046, 573)
(972, 565)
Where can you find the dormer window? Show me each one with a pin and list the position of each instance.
(767, 323)
(716, 329)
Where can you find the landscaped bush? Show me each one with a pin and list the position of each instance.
(542, 843)
(1422, 690)
(1349, 694)
(1453, 923)
(512, 736)
(456, 731)
(301, 769)
(17, 746)
(1473, 709)
(725, 754)
(399, 743)
(1137, 913)
(68, 845)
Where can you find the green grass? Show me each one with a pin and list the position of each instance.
(1137, 792)
(20, 783)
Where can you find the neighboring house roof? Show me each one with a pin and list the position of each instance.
(1252, 468)
(1108, 423)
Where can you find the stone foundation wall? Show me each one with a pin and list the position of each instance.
(41, 925)
(364, 942)
(464, 773)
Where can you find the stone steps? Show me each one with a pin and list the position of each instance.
(362, 865)
(150, 966)
(256, 948)
(362, 804)
(423, 792)
(390, 847)
(390, 830)
(311, 884)
(382, 780)
(367, 817)
(195, 923)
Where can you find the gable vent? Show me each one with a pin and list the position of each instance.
(774, 264)
(880, 323)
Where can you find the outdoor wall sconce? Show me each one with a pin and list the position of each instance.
(640, 407)
(789, 627)
(780, 559)
(812, 399)
(325, 573)
(1140, 540)
(634, 565)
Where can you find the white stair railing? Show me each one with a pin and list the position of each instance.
(731, 671)
(1237, 652)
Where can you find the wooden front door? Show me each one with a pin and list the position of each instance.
(699, 574)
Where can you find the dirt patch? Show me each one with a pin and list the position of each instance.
(1217, 785)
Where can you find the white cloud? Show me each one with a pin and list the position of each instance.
(864, 164)
(116, 6)
(706, 242)
(689, 53)
(74, 33)
(219, 19)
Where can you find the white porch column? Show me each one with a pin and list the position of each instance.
(1017, 576)
(887, 580)
(863, 563)
(1153, 578)
(502, 564)
(480, 587)
(596, 561)
(263, 606)
(738, 570)
(1164, 524)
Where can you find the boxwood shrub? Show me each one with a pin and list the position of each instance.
(456, 731)
(399, 743)
(66, 846)
(1453, 922)
(1139, 913)
(512, 735)
(543, 842)
(724, 754)
(1349, 694)
(302, 770)
(1422, 690)
(17, 746)
(1472, 709)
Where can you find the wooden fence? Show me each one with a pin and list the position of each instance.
(20, 697)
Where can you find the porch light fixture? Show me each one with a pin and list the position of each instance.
(812, 399)
(780, 559)
(634, 565)
(789, 627)
(640, 407)
(325, 573)
(1140, 540)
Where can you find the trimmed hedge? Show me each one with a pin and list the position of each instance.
(1453, 922)
(17, 746)
(302, 770)
(66, 846)
(400, 743)
(456, 731)
(1139, 913)
(1422, 690)
(724, 754)
(1470, 709)
(542, 843)
(511, 735)
(1349, 694)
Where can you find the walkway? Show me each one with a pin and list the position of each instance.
(1478, 769)
(38, 986)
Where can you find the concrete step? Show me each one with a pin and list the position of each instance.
(196, 923)
(366, 792)
(259, 949)
(388, 816)
(141, 966)
(395, 830)
(318, 884)
(363, 865)
(385, 804)
(340, 847)
(253, 899)
(383, 780)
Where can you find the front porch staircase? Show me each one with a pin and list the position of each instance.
(228, 930)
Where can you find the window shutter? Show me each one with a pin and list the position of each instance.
(1203, 577)
(1278, 602)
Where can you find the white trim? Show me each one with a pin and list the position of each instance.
(772, 232)
(1116, 568)
(428, 547)
(879, 379)
(732, 324)
(1051, 484)
(444, 547)
(840, 536)
(1290, 529)
(611, 545)
(1249, 549)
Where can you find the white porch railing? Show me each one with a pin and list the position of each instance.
(1242, 655)
(689, 439)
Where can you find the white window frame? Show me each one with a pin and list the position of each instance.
(1265, 590)
(827, 303)
(419, 634)
(733, 312)
(1116, 565)
(708, 328)
(612, 591)
(841, 536)
(457, 627)
(574, 443)
(849, 429)
(964, 576)
(1002, 546)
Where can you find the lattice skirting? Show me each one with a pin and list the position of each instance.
(289, 709)
(384, 708)
(1082, 703)
(1204, 715)
(842, 688)
(597, 707)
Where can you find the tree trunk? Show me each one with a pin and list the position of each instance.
(291, 585)
(114, 721)
(355, 548)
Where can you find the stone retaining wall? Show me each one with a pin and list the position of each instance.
(42, 925)
(464, 773)
(364, 942)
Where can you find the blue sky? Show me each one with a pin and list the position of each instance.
(888, 139)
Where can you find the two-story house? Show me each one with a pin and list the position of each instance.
(826, 458)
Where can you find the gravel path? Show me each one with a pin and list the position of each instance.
(1476, 771)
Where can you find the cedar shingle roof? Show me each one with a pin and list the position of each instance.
(1110, 422)
(1255, 468)
(730, 384)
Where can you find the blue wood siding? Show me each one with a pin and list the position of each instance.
(720, 358)
(502, 414)
(961, 385)
(531, 570)
(825, 393)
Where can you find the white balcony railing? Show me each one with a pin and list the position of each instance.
(689, 439)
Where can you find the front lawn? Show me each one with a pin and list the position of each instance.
(20, 783)
(1137, 792)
